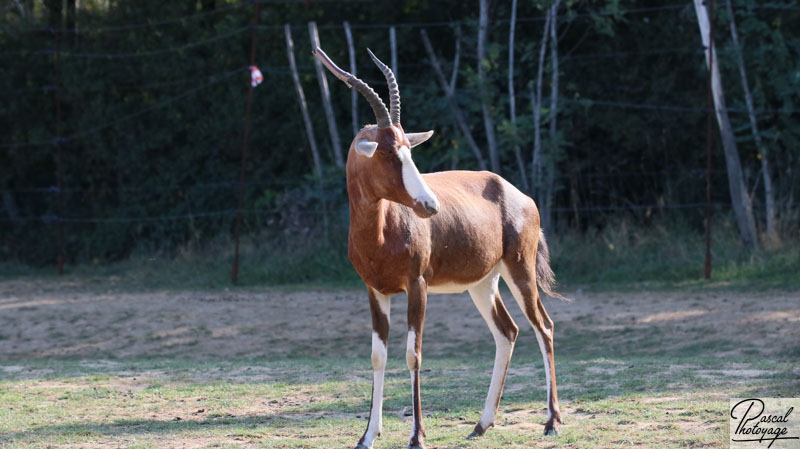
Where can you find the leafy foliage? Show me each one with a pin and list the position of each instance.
(154, 114)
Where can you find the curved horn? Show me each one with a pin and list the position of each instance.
(394, 92)
(381, 114)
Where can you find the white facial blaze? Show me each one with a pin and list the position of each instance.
(413, 182)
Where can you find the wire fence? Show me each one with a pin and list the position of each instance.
(53, 193)
(230, 186)
(308, 70)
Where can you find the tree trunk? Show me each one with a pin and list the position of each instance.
(512, 102)
(393, 45)
(22, 9)
(536, 104)
(353, 93)
(456, 60)
(450, 94)
(54, 8)
(547, 216)
(10, 205)
(301, 98)
(71, 17)
(769, 194)
(740, 198)
(488, 123)
(336, 145)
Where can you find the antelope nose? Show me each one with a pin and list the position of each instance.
(431, 205)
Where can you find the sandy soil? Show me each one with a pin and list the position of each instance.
(43, 319)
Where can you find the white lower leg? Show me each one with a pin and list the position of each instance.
(503, 350)
(483, 295)
(376, 412)
(543, 349)
(413, 412)
(412, 362)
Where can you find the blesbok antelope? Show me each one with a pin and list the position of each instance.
(441, 232)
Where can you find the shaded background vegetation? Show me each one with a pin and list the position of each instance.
(153, 117)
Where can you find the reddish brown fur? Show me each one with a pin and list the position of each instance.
(455, 232)
(390, 244)
(396, 246)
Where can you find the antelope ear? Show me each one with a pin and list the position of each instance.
(418, 138)
(366, 148)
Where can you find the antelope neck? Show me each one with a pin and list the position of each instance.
(367, 212)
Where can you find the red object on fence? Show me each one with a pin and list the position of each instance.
(255, 76)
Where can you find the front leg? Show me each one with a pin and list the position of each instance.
(379, 306)
(417, 299)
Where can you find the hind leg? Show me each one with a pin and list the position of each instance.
(487, 299)
(521, 279)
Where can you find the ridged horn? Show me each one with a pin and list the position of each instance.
(394, 92)
(381, 114)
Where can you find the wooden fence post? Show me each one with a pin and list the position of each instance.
(59, 152)
(245, 146)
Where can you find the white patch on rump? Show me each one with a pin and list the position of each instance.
(413, 182)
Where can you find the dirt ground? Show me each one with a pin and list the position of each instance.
(45, 319)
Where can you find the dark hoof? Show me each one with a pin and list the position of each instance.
(550, 431)
(415, 447)
(361, 446)
(474, 434)
(478, 431)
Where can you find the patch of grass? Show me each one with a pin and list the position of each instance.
(323, 403)
(621, 383)
(671, 255)
(664, 255)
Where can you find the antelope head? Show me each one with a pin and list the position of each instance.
(382, 152)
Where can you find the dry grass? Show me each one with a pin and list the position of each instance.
(87, 364)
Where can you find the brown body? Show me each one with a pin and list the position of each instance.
(445, 232)
(389, 243)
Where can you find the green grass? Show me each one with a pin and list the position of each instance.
(622, 381)
(323, 403)
(663, 255)
(671, 255)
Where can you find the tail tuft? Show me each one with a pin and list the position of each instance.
(545, 278)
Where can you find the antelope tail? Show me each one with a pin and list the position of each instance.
(545, 278)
